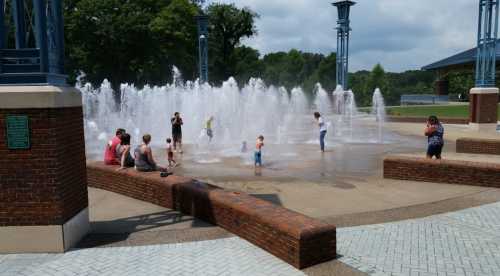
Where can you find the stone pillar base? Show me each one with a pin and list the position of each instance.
(483, 109)
(483, 127)
(44, 238)
(43, 178)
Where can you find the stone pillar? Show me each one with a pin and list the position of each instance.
(483, 109)
(43, 181)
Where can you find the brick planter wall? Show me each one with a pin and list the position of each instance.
(442, 171)
(479, 146)
(297, 239)
(46, 184)
(423, 120)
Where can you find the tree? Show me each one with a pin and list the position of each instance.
(327, 72)
(128, 41)
(175, 29)
(377, 79)
(247, 64)
(227, 26)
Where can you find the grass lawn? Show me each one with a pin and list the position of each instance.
(451, 111)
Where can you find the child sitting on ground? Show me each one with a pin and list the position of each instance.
(170, 153)
(258, 151)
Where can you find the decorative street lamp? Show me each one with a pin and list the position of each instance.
(483, 107)
(203, 47)
(343, 30)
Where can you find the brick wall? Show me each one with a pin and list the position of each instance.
(293, 237)
(45, 185)
(423, 120)
(479, 146)
(442, 171)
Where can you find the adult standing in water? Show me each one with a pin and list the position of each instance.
(434, 132)
(177, 131)
(322, 130)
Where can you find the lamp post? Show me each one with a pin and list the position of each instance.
(483, 107)
(343, 30)
(203, 47)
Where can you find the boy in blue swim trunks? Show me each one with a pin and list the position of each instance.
(258, 151)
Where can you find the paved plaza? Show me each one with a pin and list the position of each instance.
(465, 242)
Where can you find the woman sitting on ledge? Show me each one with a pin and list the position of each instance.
(434, 132)
(144, 161)
(123, 152)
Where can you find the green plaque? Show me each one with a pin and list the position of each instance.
(18, 132)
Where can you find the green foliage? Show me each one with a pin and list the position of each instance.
(450, 111)
(138, 41)
(460, 82)
(227, 26)
(247, 64)
(129, 41)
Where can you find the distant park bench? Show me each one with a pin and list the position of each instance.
(295, 238)
(424, 99)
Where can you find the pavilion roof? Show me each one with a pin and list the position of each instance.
(465, 57)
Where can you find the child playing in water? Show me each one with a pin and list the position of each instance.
(244, 147)
(208, 127)
(258, 151)
(170, 153)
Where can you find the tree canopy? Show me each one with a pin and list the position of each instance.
(138, 41)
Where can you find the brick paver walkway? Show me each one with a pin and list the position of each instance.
(232, 256)
(460, 243)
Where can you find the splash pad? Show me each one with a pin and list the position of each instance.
(241, 114)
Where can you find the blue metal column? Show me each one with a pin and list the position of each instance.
(486, 43)
(41, 33)
(343, 31)
(3, 37)
(203, 47)
(56, 37)
(18, 15)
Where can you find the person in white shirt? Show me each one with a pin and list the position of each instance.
(170, 153)
(322, 130)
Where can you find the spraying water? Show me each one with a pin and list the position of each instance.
(378, 110)
(240, 114)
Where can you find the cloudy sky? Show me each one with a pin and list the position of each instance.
(400, 34)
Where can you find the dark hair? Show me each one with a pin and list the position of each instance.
(125, 139)
(261, 137)
(176, 113)
(120, 131)
(146, 138)
(169, 140)
(433, 120)
(317, 115)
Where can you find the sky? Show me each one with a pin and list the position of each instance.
(400, 34)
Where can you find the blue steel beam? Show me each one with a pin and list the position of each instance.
(2, 26)
(41, 33)
(18, 16)
(486, 43)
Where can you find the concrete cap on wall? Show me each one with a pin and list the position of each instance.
(16, 97)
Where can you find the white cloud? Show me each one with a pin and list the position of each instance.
(400, 34)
